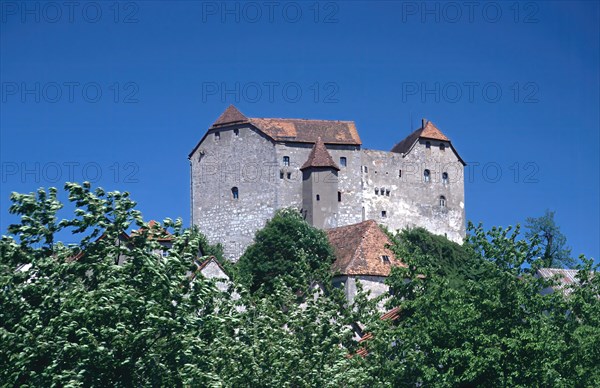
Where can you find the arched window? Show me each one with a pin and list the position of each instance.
(445, 178)
(427, 144)
(426, 175)
(382, 190)
(286, 160)
(442, 147)
(377, 190)
(442, 201)
(235, 193)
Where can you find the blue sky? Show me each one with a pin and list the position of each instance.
(120, 92)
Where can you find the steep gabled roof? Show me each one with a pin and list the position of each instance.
(427, 131)
(319, 157)
(231, 116)
(359, 249)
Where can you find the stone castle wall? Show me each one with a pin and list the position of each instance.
(370, 183)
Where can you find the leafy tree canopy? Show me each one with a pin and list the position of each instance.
(286, 247)
(555, 252)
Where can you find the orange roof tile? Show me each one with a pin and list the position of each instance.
(297, 130)
(359, 249)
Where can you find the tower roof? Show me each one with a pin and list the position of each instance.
(319, 157)
(359, 249)
(231, 116)
(427, 131)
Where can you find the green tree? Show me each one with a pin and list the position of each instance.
(497, 329)
(286, 247)
(277, 341)
(555, 251)
(81, 319)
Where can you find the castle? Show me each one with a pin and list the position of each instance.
(244, 169)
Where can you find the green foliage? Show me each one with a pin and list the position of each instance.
(438, 255)
(277, 342)
(286, 247)
(81, 319)
(110, 311)
(555, 254)
(497, 329)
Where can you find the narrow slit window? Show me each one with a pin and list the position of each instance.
(339, 196)
(235, 193)
(426, 176)
(399, 173)
(318, 197)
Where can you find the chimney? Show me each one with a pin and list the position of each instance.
(423, 122)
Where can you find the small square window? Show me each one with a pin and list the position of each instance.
(343, 161)
(383, 214)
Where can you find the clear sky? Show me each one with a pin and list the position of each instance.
(120, 92)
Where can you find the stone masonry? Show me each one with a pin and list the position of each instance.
(244, 169)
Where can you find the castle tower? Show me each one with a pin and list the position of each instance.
(320, 195)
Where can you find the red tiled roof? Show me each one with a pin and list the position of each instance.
(359, 249)
(231, 116)
(156, 232)
(296, 130)
(393, 314)
(429, 131)
(319, 157)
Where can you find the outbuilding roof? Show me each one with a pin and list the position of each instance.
(361, 249)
